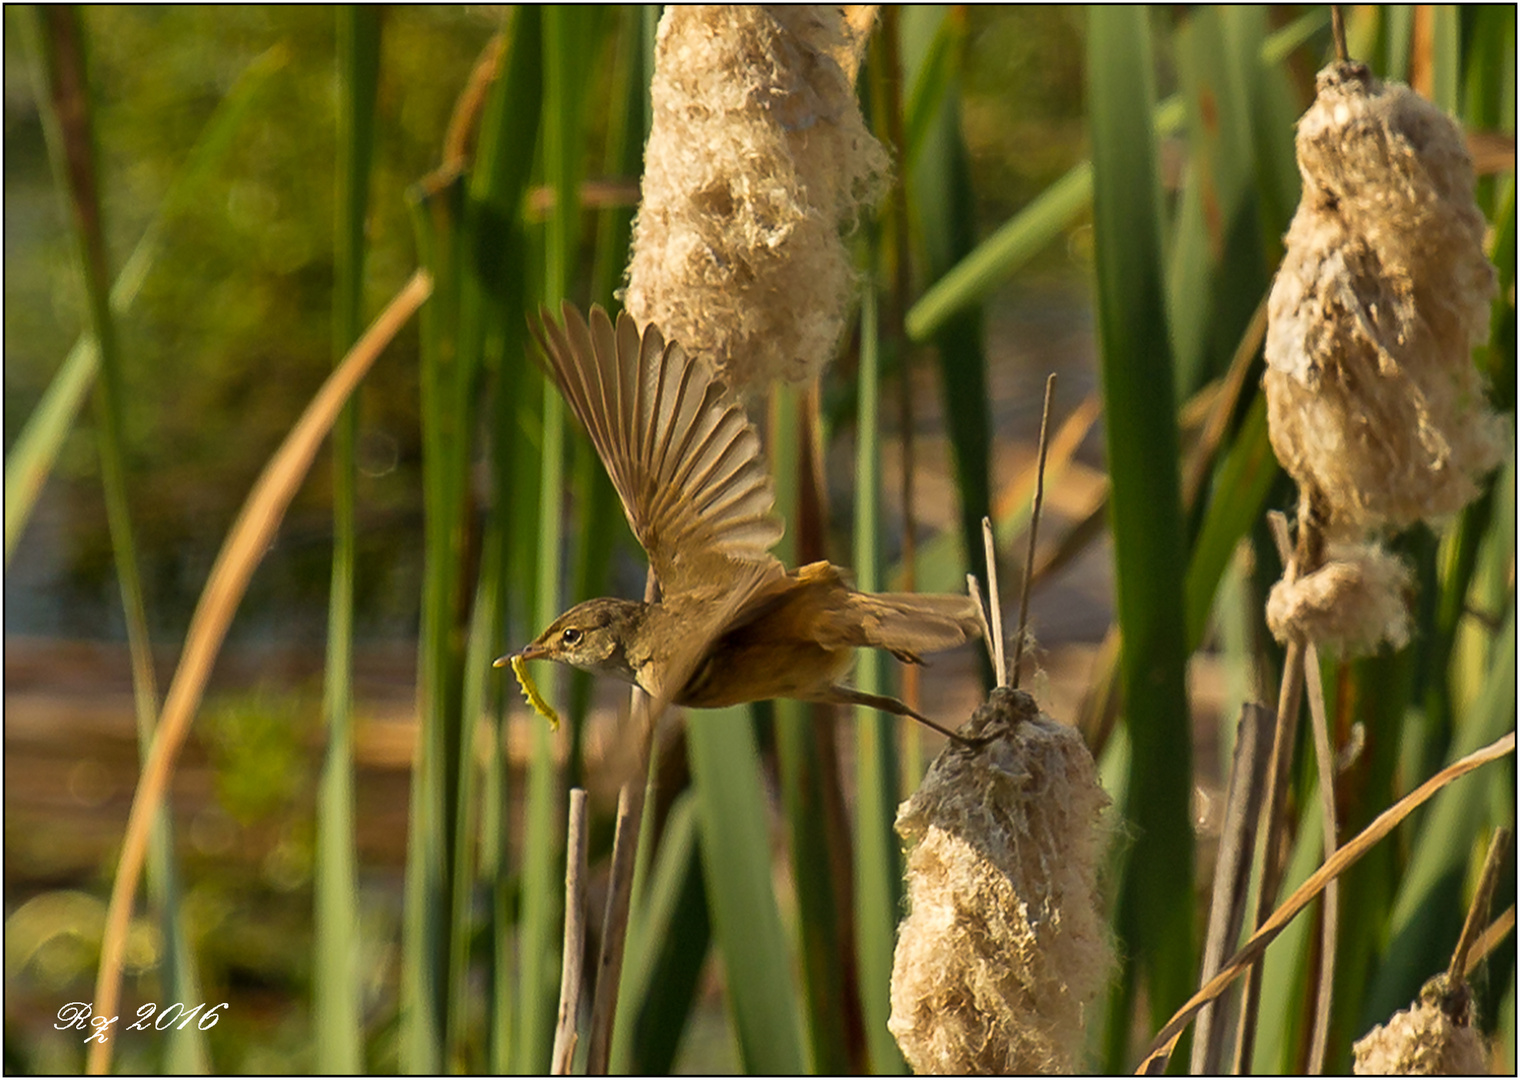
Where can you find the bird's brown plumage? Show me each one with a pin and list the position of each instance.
(732, 624)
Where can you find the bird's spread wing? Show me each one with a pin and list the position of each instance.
(679, 448)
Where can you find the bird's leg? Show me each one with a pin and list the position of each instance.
(848, 695)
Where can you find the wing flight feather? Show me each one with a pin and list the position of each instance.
(682, 454)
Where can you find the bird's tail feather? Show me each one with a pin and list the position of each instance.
(911, 623)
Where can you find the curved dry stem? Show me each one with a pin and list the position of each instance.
(242, 551)
(1165, 1041)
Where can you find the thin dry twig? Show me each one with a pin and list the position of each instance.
(573, 956)
(1232, 871)
(1034, 528)
(1272, 814)
(995, 602)
(1497, 931)
(247, 542)
(1324, 758)
(1338, 32)
(1498, 847)
(1064, 445)
(458, 140)
(974, 587)
(1348, 855)
(1270, 875)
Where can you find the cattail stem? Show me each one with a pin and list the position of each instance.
(1270, 874)
(1498, 847)
(625, 851)
(1034, 528)
(573, 956)
(1338, 33)
(1324, 757)
(1232, 873)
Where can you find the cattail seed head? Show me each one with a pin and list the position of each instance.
(1004, 944)
(1372, 395)
(1425, 1039)
(1350, 605)
(757, 159)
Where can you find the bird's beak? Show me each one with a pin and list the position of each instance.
(535, 651)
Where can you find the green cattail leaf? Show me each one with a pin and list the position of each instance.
(736, 859)
(1155, 917)
(878, 857)
(336, 976)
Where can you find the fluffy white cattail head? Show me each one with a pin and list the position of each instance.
(1424, 1039)
(1372, 396)
(1351, 604)
(757, 160)
(1004, 944)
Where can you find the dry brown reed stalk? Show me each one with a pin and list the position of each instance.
(1346, 856)
(1330, 908)
(757, 159)
(247, 542)
(1232, 872)
(1034, 528)
(1004, 945)
(1489, 940)
(573, 956)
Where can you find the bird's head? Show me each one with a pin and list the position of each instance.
(592, 636)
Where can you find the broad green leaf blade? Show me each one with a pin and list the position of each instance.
(437, 211)
(1398, 30)
(944, 212)
(502, 168)
(1021, 238)
(662, 974)
(878, 856)
(1446, 60)
(819, 867)
(1145, 506)
(736, 857)
(336, 977)
(1218, 271)
(1241, 485)
(566, 33)
(931, 39)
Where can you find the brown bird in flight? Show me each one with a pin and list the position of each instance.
(732, 625)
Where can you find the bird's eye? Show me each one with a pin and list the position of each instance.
(570, 636)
